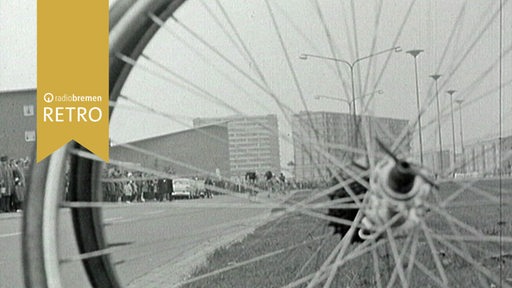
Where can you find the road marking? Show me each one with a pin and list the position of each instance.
(10, 234)
(112, 219)
(154, 212)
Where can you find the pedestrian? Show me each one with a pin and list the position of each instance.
(140, 187)
(161, 187)
(118, 186)
(208, 187)
(6, 184)
(154, 187)
(268, 184)
(127, 192)
(145, 188)
(19, 186)
(110, 186)
(135, 191)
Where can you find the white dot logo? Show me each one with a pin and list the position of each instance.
(48, 97)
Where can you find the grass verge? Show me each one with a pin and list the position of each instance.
(295, 245)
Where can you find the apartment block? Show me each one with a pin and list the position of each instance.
(253, 143)
(324, 140)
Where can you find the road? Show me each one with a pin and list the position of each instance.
(10, 250)
(167, 238)
(162, 235)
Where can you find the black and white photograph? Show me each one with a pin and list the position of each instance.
(269, 143)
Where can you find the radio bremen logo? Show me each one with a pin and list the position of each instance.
(71, 113)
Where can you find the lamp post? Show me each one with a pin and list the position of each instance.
(436, 77)
(351, 67)
(373, 93)
(453, 126)
(414, 54)
(349, 103)
(459, 101)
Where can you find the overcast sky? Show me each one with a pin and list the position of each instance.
(428, 27)
(17, 44)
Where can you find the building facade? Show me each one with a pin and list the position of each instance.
(489, 157)
(324, 140)
(253, 143)
(438, 162)
(198, 152)
(18, 123)
(480, 158)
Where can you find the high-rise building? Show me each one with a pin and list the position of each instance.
(324, 140)
(253, 143)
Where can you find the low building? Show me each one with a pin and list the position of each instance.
(18, 123)
(438, 161)
(489, 157)
(199, 152)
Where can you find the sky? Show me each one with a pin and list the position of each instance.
(18, 48)
(453, 34)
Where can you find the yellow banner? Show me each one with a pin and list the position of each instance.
(72, 75)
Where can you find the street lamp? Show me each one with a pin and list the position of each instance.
(349, 103)
(414, 54)
(453, 126)
(378, 92)
(351, 66)
(334, 98)
(436, 77)
(373, 93)
(371, 98)
(459, 101)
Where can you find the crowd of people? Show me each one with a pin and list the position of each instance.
(252, 182)
(136, 186)
(12, 184)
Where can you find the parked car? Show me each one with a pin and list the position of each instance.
(184, 188)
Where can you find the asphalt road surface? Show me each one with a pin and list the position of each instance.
(10, 250)
(165, 239)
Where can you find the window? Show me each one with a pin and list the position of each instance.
(30, 136)
(28, 110)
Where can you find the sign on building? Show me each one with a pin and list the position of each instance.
(30, 136)
(28, 110)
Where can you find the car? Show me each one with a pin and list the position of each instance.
(183, 188)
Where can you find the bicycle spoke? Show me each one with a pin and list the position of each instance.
(259, 258)
(397, 258)
(476, 265)
(429, 273)
(181, 62)
(376, 268)
(331, 44)
(412, 255)
(346, 242)
(395, 272)
(435, 255)
(310, 259)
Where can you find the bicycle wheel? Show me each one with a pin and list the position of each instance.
(403, 210)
